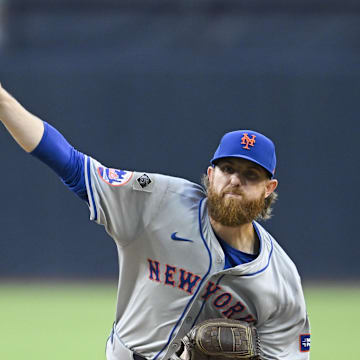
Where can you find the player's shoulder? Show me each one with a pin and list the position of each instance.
(176, 193)
(116, 176)
(146, 182)
(178, 186)
(174, 186)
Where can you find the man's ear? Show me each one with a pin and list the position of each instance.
(270, 187)
(210, 173)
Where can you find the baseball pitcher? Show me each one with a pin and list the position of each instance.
(199, 277)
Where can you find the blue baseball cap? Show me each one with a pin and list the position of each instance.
(249, 145)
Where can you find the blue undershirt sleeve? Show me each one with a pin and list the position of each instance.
(67, 162)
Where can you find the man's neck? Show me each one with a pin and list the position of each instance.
(242, 237)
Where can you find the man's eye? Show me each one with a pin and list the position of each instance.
(227, 169)
(252, 175)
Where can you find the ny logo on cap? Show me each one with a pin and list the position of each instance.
(245, 140)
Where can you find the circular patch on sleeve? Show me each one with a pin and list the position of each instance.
(114, 177)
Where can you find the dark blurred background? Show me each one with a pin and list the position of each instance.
(152, 86)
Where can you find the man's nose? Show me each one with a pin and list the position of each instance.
(236, 179)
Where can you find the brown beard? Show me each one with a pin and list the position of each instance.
(233, 212)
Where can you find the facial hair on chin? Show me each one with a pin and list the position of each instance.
(233, 212)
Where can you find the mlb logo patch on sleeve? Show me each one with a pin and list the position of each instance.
(114, 177)
(304, 342)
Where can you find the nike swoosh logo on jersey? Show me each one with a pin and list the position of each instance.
(174, 237)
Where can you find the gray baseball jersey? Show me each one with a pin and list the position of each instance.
(171, 269)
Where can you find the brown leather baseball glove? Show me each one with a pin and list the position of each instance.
(217, 339)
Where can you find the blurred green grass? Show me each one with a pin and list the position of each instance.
(55, 322)
(66, 321)
(334, 313)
